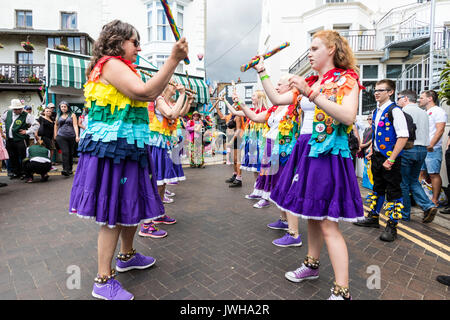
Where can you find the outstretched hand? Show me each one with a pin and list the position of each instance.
(180, 49)
(300, 84)
(260, 66)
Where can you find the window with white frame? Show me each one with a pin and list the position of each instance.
(369, 78)
(68, 20)
(158, 28)
(160, 60)
(24, 19)
(248, 92)
(150, 22)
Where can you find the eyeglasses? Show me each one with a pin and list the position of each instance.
(381, 90)
(400, 97)
(136, 42)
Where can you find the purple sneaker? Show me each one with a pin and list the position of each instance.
(288, 241)
(111, 290)
(263, 203)
(252, 196)
(302, 273)
(151, 231)
(164, 219)
(138, 261)
(278, 225)
(169, 193)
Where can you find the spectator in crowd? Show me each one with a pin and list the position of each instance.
(390, 134)
(46, 130)
(413, 159)
(437, 118)
(37, 161)
(32, 135)
(3, 153)
(364, 147)
(17, 125)
(353, 142)
(83, 120)
(53, 108)
(66, 134)
(447, 164)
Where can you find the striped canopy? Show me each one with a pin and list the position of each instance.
(67, 70)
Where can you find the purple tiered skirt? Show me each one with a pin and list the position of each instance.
(270, 173)
(111, 193)
(318, 188)
(166, 170)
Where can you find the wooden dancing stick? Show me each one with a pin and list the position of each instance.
(268, 54)
(172, 24)
(170, 82)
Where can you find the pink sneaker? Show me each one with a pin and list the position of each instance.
(164, 219)
(149, 230)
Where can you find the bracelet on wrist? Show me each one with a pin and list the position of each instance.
(261, 71)
(391, 161)
(264, 77)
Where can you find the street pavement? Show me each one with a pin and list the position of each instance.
(219, 249)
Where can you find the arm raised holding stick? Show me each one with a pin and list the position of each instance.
(172, 24)
(267, 55)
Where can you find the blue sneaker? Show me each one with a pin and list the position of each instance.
(288, 241)
(138, 261)
(278, 225)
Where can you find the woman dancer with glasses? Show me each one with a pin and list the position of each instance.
(112, 184)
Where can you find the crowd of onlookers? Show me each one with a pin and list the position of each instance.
(30, 145)
(421, 182)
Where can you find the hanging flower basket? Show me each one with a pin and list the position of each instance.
(27, 46)
(62, 47)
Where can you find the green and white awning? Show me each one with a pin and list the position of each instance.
(66, 70)
(66, 74)
(194, 83)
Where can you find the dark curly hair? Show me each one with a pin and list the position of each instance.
(109, 42)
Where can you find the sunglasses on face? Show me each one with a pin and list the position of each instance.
(381, 90)
(135, 42)
(400, 97)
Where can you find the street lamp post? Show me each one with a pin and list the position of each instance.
(432, 18)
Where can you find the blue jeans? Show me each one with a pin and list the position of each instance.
(412, 161)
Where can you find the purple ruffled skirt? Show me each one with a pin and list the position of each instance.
(269, 175)
(318, 188)
(166, 170)
(113, 194)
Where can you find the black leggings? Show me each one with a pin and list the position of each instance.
(67, 146)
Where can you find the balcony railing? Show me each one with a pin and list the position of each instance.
(26, 74)
(359, 41)
(441, 36)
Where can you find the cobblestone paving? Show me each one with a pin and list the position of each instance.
(220, 248)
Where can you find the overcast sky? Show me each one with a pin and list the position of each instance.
(228, 22)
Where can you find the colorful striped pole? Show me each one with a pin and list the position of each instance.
(172, 24)
(255, 61)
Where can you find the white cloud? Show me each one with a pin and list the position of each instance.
(228, 22)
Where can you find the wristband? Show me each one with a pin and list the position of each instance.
(391, 161)
(309, 94)
(262, 70)
(264, 77)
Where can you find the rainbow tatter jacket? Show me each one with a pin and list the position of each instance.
(162, 134)
(329, 135)
(254, 135)
(117, 126)
(288, 132)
